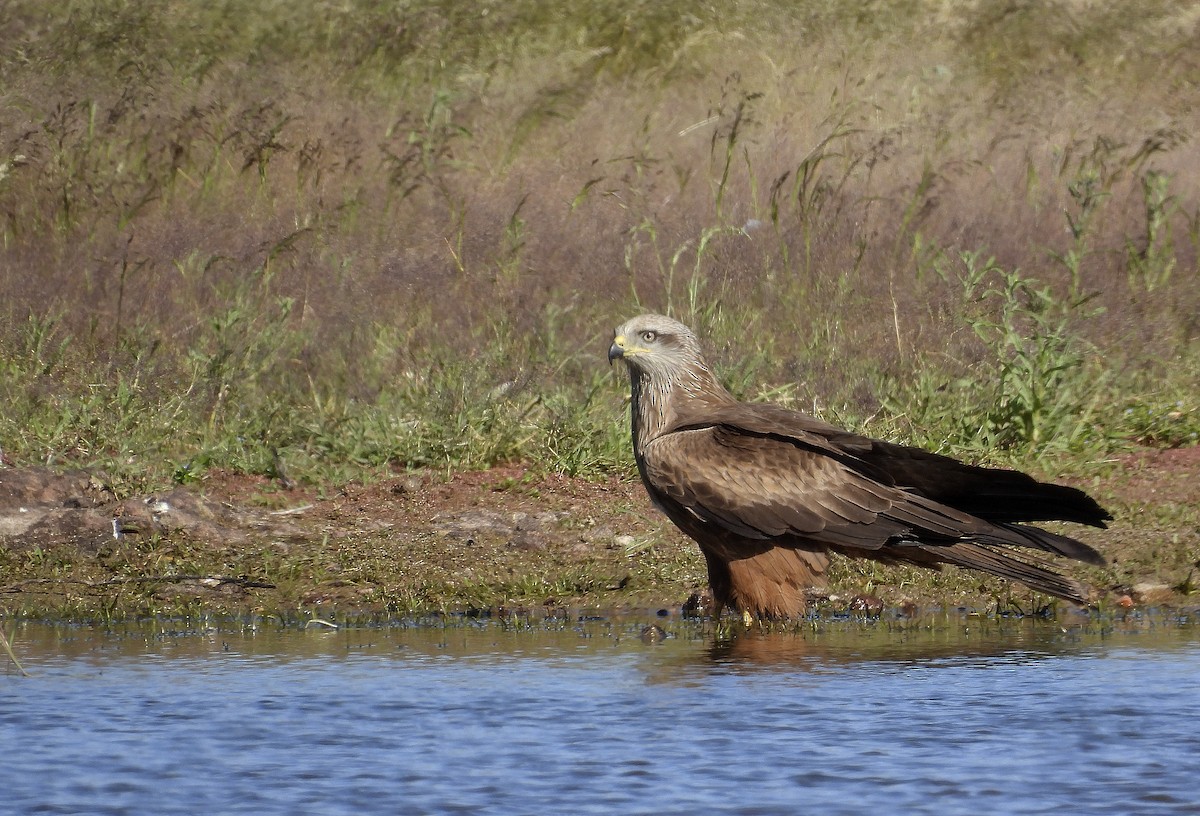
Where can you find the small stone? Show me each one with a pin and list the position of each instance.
(698, 604)
(530, 540)
(653, 634)
(1151, 593)
(867, 604)
(408, 486)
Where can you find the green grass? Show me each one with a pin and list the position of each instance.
(323, 242)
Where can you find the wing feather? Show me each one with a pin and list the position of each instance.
(775, 488)
(770, 486)
(995, 494)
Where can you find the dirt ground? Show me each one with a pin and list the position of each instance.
(507, 538)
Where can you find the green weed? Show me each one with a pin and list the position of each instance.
(1036, 388)
(321, 243)
(1152, 264)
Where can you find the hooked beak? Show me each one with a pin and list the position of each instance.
(617, 349)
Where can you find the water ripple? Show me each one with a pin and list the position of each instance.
(497, 722)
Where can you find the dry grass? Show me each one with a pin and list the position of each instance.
(323, 240)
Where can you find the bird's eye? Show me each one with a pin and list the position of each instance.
(649, 336)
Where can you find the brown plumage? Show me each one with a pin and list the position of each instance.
(768, 492)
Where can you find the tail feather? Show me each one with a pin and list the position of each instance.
(995, 562)
(1055, 543)
(994, 494)
(1015, 497)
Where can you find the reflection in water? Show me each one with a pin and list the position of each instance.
(823, 645)
(943, 715)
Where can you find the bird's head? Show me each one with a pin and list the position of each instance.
(656, 346)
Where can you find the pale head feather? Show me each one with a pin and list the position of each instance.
(667, 371)
(658, 347)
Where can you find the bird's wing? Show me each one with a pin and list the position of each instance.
(995, 494)
(771, 486)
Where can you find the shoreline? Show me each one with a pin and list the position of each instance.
(492, 542)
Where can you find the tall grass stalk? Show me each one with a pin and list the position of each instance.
(339, 240)
(8, 650)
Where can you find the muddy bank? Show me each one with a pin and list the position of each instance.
(504, 538)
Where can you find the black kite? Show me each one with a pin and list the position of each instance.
(768, 492)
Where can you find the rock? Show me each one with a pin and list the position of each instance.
(43, 487)
(472, 523)
(653, 634)
(698, 604)
(528, 540)
(39, 506)
(866, 604)
(1151, 593)
(409, 486)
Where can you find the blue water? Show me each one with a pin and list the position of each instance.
(953, 716)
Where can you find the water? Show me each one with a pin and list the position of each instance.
(956, 715)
